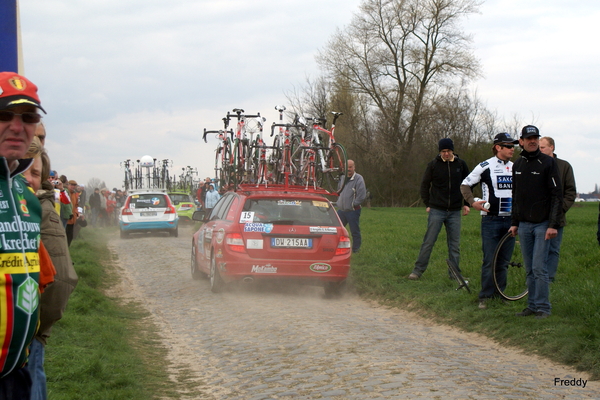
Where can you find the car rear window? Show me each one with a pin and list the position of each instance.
(291, 212)
(148, 200)
(180, 198)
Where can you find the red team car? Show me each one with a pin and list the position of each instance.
(260, 234)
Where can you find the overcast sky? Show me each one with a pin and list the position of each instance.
(124, 79)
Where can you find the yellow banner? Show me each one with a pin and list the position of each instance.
(16, 263)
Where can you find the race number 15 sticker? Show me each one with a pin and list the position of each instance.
(246, 216)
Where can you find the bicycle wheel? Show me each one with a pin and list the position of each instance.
(510, 276)
(276, 160)
(296, 161)
(462, 283)
(333, 177)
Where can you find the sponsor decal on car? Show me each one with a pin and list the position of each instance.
(320, 267)
(264, 269)
(258, 227)
(219, 253)
(323, 229)
(208, 234)
(323, 204)
(220, 235)
(289, 203)
(254, 244)
(246, 216)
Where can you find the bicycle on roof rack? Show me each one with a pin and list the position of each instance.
(241, 155)
(319, 164)
(285, 171)
(223, 161)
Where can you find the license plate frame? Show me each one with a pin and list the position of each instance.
(148, 214)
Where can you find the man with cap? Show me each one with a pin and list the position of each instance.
(440, 191)
(495, 177)
(21, 217)
(569, 192)
(536, 214)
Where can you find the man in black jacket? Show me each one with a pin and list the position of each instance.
(569, 192)
(440, 191)
(537, 210)
(95, 205)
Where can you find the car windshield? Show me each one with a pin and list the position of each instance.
(148, 200)
(291, 212)
(180, 198)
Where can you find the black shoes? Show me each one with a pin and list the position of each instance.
(525, 313)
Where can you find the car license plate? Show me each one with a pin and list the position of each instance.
(291, 242)
(148, 214)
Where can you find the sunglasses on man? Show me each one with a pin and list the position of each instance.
(26, 117)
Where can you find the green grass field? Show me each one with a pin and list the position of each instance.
(391, 241)
(102, 349)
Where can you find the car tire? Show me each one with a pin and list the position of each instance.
(216, 282)
(196, 275)
(123, 234)
(334, 289)
(174, 232)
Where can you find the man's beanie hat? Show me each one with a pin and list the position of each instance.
(446, 144)
(504, 138)
(16, 90)
(528, 131)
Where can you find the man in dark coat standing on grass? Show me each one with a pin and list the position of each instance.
(440, 191)
(537, 210)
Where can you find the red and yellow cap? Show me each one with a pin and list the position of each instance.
(16, 90)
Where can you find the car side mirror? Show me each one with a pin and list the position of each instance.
(199, 215)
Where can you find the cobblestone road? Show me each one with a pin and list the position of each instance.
(290, 342)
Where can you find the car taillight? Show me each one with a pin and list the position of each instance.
(235, 242)
(343, 246)
(126, 210)
(170, 210)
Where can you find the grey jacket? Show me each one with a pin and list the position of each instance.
(353, 195)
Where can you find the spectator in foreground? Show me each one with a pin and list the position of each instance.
(440, 191)
(19, 106)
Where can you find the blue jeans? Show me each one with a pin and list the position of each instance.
(36, 370)
(493, 228)
(553, 254)
(352, 218)
(437, 218)
(534, 248)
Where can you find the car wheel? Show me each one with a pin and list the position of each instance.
(174, 232)
(195, 273)
(216, 282)
(124, 235)
(334, 289)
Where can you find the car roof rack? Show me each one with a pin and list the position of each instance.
(249, 187)
(138, 191)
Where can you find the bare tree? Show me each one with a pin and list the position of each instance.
(94, 183)
(399, 53)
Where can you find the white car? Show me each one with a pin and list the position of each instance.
(147, 210)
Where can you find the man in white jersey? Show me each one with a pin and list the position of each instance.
(495, 177)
